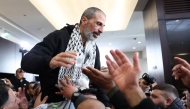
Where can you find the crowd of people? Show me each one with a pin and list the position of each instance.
(68, 64)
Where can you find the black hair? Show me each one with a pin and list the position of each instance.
(4, 95)
(167, 88)
(27, 87)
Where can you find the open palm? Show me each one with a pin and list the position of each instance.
(124, 73)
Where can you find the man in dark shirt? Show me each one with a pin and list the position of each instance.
(166, 96)
(19, 80)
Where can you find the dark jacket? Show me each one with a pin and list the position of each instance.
(38, 58)
(176, 104)
(18, 82)
(119, 102)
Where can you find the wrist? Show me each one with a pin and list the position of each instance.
(134, 95)
(107, 90)
(77, 98)
(112, 91)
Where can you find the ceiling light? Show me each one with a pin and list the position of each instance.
(70, 11)
(134, 47)
(24, 44)
(177, 21)
(41, 29)
(18, 28)
(139, 42)
(109, 43)
(5, 35)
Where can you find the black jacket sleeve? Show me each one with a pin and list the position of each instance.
(145, 104)
(118, 101)
(38, 58)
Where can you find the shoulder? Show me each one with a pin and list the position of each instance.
(63, 33)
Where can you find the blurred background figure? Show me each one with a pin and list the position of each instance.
(19, 80)
(146, 83)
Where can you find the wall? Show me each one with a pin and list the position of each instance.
(143, 59)
(10, 58)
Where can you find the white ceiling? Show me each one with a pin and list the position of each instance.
(25, 16)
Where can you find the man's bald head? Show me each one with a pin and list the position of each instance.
(91, 104)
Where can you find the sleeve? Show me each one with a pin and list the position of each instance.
(118, 100)
(143, 104)
(38, 58)
(101, 96)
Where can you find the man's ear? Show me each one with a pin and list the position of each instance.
(168, 101)
(84, 20)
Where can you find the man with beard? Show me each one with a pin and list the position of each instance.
(165, 96)
(65, 52)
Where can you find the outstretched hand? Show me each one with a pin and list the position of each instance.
(182, 71)
(23, 100)
(124, 73)
(38, 100)
(126, 76)
(101, 79)
(67, 89)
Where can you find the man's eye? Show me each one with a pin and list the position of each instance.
(98, 23)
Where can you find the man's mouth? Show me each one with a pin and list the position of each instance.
(96, 34)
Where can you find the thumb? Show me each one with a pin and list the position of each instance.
(45, 99)
(186, 72)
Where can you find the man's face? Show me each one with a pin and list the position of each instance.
(158, 98)
(20, 74)
(142, 84)
(94, 26)
(30, 89)
(12, 102)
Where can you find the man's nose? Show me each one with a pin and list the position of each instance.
(101, 29)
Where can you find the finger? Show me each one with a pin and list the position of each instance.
(19, 92)
(23, 91)
(94, 71)
(39, 96)
(176, 67)
(65, 61)
(59, 93)
(63, 82)
(110, 67)
(68, 54)
(184, 72)
(175, 75)
(123, 57)
(67, 80)
(136, 61)
(116, 58)
(44, 100)
(88, 73)
(114, 65)
(182, 62)
(59, 87)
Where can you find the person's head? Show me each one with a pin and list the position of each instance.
(19, 73)
(36, 85)
(37, 92)
(91, 104)
(92, 23)
(29, 88)
(185, 92)
(163, 95)
(143, 84)
(8, 99)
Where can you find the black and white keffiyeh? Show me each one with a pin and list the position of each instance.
(85, 57)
